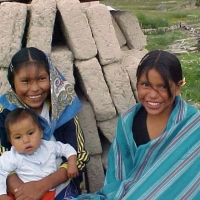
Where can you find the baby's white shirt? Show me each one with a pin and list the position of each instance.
(35, 166)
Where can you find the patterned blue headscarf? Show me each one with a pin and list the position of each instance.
(64, 103)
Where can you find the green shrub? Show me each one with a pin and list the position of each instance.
(151, 22)
(191, 70)
(197, 3)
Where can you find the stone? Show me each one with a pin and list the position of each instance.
(76, 29)
(95, 173)
(119, 86)
(42, 18)
(120, 37)
(12, 20)
(88, 124)
(104, 34)
(93, 85)
(86, 4)
(62, 58)
(4, 86)
(131, 29)
(107, 128)
(130, 62)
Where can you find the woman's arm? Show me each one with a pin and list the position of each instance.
(82, 155)
(4, 197)
(13, 182)
(36, 189)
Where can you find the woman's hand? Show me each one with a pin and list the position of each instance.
(36, 189)
(20, 190)
(32, 190)
(13, 182)
(5, 197)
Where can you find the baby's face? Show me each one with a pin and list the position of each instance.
(25, 136)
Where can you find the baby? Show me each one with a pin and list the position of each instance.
(31, 157)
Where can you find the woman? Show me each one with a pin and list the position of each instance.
(37, 85)
(156, 150)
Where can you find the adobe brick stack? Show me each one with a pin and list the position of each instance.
(96, 49)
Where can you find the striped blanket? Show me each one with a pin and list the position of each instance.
(165, 168)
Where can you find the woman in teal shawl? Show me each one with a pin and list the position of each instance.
(156, 150)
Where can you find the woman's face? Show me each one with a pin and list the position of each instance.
(32, 86)
(153, 94)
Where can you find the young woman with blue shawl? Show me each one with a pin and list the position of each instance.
(156, 150)
(37, 85)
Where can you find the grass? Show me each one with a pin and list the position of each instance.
(191, 70)
(162, 39)
(149, 16)
(150, 12)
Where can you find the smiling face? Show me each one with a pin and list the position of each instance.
(32, 86)
(153, 94)
(25, 135)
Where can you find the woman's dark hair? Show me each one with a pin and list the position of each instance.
(19, 114)
(24, 58)
(165, 63)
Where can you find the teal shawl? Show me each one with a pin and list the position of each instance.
(165, 168)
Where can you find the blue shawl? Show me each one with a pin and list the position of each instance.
(165, 168)
(64, 104)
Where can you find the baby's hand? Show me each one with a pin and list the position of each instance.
(72, 171)
(5, 197)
